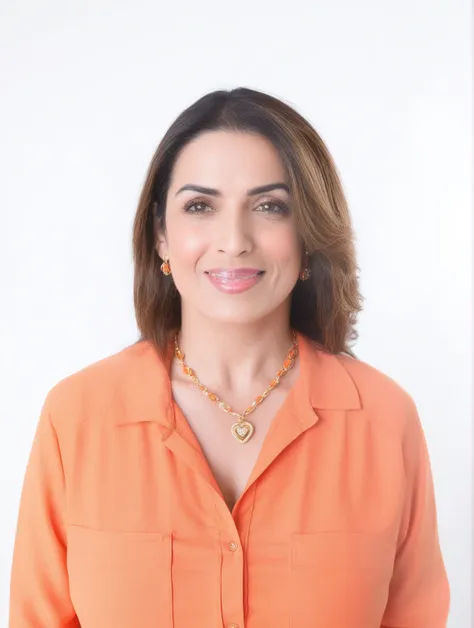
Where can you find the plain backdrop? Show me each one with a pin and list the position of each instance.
(87, 91)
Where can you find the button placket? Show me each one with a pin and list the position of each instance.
(232, 583)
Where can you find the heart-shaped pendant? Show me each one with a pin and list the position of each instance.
(242, 431)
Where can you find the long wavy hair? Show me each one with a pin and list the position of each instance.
(325, 306)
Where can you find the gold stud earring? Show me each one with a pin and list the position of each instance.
(165, 266)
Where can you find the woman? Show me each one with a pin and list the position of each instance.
(238, 466)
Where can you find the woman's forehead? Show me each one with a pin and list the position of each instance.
(228, 160)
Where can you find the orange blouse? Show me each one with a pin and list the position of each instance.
(122, 524)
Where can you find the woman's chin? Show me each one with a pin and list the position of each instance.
(235, 314)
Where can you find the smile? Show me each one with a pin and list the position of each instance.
(234, 281)
(230, 276)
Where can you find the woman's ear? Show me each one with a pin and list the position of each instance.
(160, 242)
(161, 250)
(160, 235)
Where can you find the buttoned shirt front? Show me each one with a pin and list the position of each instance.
(122, 523)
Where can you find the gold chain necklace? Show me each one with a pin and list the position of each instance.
(242, 430)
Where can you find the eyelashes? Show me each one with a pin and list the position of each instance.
(196, 207)
(279, 207)
(199, 207)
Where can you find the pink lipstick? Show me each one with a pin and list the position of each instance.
(234, 280)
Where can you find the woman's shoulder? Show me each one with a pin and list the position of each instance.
(375, 385)
(383, 399)
(100, 386)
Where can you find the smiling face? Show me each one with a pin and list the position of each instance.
(230, 236)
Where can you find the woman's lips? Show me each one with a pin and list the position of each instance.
(235, 280)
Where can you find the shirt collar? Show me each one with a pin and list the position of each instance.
(327, 382)
(144, 390)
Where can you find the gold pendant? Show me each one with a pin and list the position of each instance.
(242, 431)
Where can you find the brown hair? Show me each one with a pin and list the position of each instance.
(325, 306)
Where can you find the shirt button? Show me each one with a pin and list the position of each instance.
(233, 548)
(233, 625)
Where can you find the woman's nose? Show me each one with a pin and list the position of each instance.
(235, 233)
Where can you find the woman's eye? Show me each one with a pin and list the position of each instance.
(270, 207)
(274, 208)
(197, 207)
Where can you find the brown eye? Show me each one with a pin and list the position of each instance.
(196, 207)
(272, 207)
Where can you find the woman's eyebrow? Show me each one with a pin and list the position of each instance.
(252, 192)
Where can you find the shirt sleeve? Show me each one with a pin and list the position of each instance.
(39, 588)
(419, 593)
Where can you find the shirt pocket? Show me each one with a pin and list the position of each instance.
(339, 579)
(120, 579)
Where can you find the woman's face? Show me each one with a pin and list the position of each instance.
(233, 249)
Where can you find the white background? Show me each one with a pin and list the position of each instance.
(87, 91)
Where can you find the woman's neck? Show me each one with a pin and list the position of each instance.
(234, 357)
